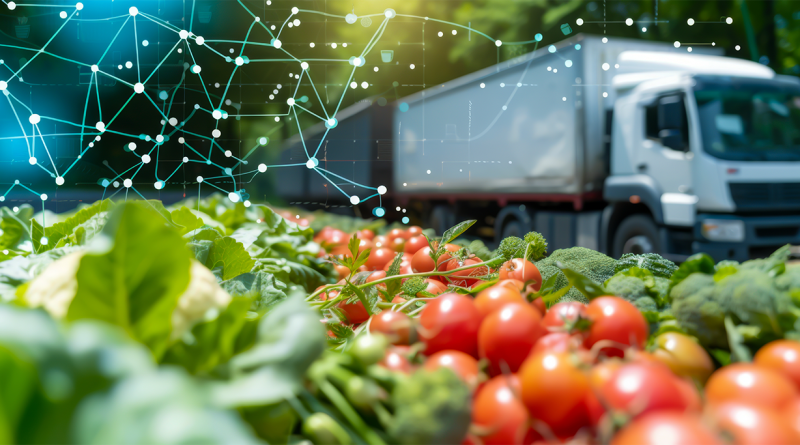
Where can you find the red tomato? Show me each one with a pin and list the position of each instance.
(782, 356)
(364, 244)
(522, 270)
(396, 326)
(462, 278)
(616, 320)
(398, 300)
(666, 428)
(378, 258)
(375, 276)
(412, 231)
(557, 342)
(444, 260)
(405, 263)
(341, 251)
(751, 384)
(450, 321)
(422, 261)
(397, 244)
(683, 355)
(792, 415)
(495, 297)
(750, 424)
(380, 241)
(366, 234)
(355, 312)
(435, 287)
(304, 222)
(323, 234)
(337, 238)
(561, 312)
(638, 388)
(395, 360)
(397, 233)
(414, 244)
(690, 394)
(539, 305)
(464, 365)
(507, 336)
(599, 375)
(554, 390)
(342, 271)
(498, 409)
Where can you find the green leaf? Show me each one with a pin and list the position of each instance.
(413, 286)
(739, 352)
(722, 356)
(136, 282)
(552, 297)
(453, 233)
(353, 244)
(14, 231)
(699, 262)
(186, 219)
(61, 230)
(361, 297)
(267, 290)
(291, 272)
(394, 269)
(231, 254)
(583, 283)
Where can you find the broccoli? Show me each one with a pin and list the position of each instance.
(696, 310)
(646, 304)
(533, 247)
(634, 283)
(430, 407)
(774, 263)
(653, 262)
(752, 298)
(627, 287)
(595, 265)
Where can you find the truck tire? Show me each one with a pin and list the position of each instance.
(636, 234)
(441, 219)
(513, 227)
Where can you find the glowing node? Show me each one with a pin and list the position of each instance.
(428, 172)
(577, 46)
(79, 6)
(185, 160)
(127, 183)
(59, 180)
(737, 48)
(101, 127)
(216, 133)
(411, 66)
(677, 44)
(350, 18)
(159, 185)
(311, 44)
(331, 123)
(729, 20)
(689, 49)
(146, 159)
(228, 153)
(183, 34)
(196, 69)
(605, 94)
(145, 43)
(247, 203)
(62, 14)
(12, 6)
(568, 63)
(95, 68)
(138, 88)
(333, 45)
(34, 119)
(234, 197)
(296, 22)
(262, 167)
(606, 67)
(312, 163)
(277, 119)
(538, 37)
(295, 10)
(498, 43)
(358, 61)
(290, 101)
(690, 22)
(216, 114)
(132, 146)
(605, 40)
(364, 85)
(3, 85)
(389, 13)
(200, 179)
(263, 140)
(173, 121)
(564, 99)
(483, 85)
(129, 64)
(382, 190)
(629, 21)
(239, 61)
(44, 241)
(43, 196)
(276, 43)
(353, 85)
(134, 11)
(304, 65)
(200, 40)
(405, 220)
(355, 200)
(379, 212)
(579, 22)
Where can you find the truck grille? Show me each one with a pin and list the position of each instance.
(765, 196)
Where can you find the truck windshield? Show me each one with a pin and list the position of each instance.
(749, 120)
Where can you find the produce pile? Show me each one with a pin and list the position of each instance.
(208, 321)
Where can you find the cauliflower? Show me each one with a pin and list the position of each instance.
(57, 285)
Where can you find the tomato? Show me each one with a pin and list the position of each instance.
(792, 415)
(328, 295)
(405, 264)
(507, 336)
(364, 244)
(422, 261)
(397, 244)
(561, 312)
(323, 234)
(498, 409)
(689, 394)
(435, 287)
(450, 321)
(444, 260)
(751, 384)
(376, 275)
(495, 297)
(557, 342)
(666, 428)
(683, 355)
(464, 365)
(380, 241)
(414, 244)
(342, 271)
(397, 233)
(341, 251)
(782, 356)
(398, 300)
(378, 258)
(522, 270)
(599, 375)
(304, 222)
(396, 360)
(616, 320)
(539, 305)
(638, 388)
(413, 231)
(462, 278)
(355, 312)
(366, 234)
(554, 390)
(395, 325)
(750, 424)
(337, 238)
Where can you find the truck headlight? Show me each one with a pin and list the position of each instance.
(731, 230)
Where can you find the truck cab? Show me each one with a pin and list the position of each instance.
(705, 156)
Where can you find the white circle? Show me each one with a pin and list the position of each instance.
(145, 43)
(158, 185)
(12, 6)
(690, 22)
(233, 197)
(483, 85)
(132, 146)
(146, 159)
(350, 18)
(116, 184)
(290, 101)
(605, 40)
(333, 45)
(247, 203)
(644, 29)
(441, 33)
(689, 49)
(354, 200)
(579, 22)
(382, 190)
(79, 6)
(59, 180)
(196, 69)
(606, 67)
(411, 66)
(277, 119)
(216, 133)
(455, 32)
(313, 162)
(389, 13)
(364, 85)
(358, 61)
(34, 119)
(276, 43)
(568, 63)
(43, 241)
(304, 65)
(43, 196)
(375, 69)
(184, 34)
(185, 160)
(95, 68)
(129, 64)
(200, 179)
(677, 44)
(428, 172)
(239, 61)
(200, 40)
(138, 88)
(737, 48)
(62, 14)
(498, 43)
(3, 85)
(262, 167)
(101, 127)
(295, 10)
(216, 114)
(629, 21)
(353, 85)
(729, 20)
(228, 153)
(605, 94)
(173, 121)
(564, 99)
(127, 183)
(331, 122)
(133, 11)
(296, 22)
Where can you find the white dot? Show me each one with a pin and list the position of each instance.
(483, 85)
(184, 34)
(127, 183)
(353, 85)
(606, 67)
(59, 180)
(729, 20)
(216, 114)
(358, 61)
(228, 153)
(239, 61)
(262, 167)
(304, 65)
(200, 179)
(276, 43)
(133, 11)
(455, 32)
(389, 13)
(737, 48)
(555, 70)
(146, 159)
(290, 101)
(605, 40)
(677, 44)
(216, 133)
(145, 43)
(138, 88)
(277, 119)
(364, 85)
(3, 85)
(101, 127)
(247, 203)
(79, 6)
(173, 121)
(63, 14)
(116, 184)
(498, 43)
(44, 241)
(132, 146)
(579, 22)
(279, 86)
(375, 69)
(644, 29)
(690, 22)
(311, 44)
(629, 21)
(12, 6)
(158, 185)
(200, 40)
(411, 66)
(331, 122)
(34, 119)
(564, 99)
(233, 197)
(95, 68)
(689, 49)
(441, 34)
(568, 63)
(43, 196)
(185, 159)
(295, 10)
(549, 68)
(296, 22)
(333, 45)
(129, 64)
(605, 94)
(354, 200)
(429, 172)
(312, 163)
(382, 190)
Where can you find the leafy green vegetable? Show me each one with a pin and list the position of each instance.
(652, 262)
(231, 255)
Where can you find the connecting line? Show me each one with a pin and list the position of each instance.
(97, 89)
(321, 141)
(299, 81)
(162, 61)
(36, 127)
(300, 131)
(317, 93)
(45, 45)
(247, 36)
(375, 38)
(225, 93)
(30, 154)
(334, 184)
(160, 22)
(309, 112)
(266, 28)
(284, 24)
(468, 28)
(113, 40)
(345, 179)
(136, 44)
(191, 17)
(189, 47)
(345, 91)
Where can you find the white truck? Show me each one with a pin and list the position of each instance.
(618, 145)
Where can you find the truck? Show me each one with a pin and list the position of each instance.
(622, 146)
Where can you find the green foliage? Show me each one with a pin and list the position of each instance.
(533, 247)
(231, 256)
(413, 286)
(653, 262)
(633, 283)
(699, 262)
(596, 266)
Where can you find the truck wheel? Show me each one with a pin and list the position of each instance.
(513, 228)
(636, 234)
(441, 219)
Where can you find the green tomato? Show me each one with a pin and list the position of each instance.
(369, 349)
(321, 428)
(362, 392)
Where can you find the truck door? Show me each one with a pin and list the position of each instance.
(665, 154)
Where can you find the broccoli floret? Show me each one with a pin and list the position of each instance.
(696, 310)
(431, 407)
(789, 281)
(634, 283)
(655, 263)
(776, 261)
(536, 246)
(646, 304)
(752, 298)
(595, 265)
(533, 247)
(627, 287)
(510, 247)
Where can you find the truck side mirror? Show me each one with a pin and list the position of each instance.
(671, 113)
(672, 139)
